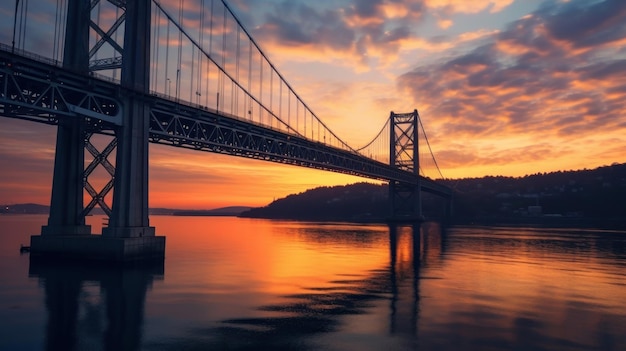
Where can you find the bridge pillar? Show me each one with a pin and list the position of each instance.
(405, 198)
(66, 204)
(129, 235)
(129, 217)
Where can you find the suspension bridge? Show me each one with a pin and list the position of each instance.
(185, 74)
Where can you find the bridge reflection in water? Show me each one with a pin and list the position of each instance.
(102, 307)
(94, 304)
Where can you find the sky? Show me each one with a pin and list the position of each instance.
(503, 87)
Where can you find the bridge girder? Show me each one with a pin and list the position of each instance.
(45, 93)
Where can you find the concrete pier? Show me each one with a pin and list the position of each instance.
(98, 248)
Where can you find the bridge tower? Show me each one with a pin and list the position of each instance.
(405, 198)
(128, 235)
(66, 205)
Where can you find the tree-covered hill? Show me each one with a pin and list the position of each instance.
(360, 201)
(598, 194)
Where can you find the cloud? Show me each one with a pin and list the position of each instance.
(586, 24)
(531, 79)
(357, 31)
(464, 6)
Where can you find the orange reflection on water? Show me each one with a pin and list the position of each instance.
(275, 258)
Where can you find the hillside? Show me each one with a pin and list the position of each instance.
(578, 197)
(597, 193)
(356, 202)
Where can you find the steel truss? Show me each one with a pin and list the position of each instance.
(44, 93)
(100, 158)
(405, 197)
(106, 36)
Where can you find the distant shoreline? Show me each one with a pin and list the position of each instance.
(201, 213)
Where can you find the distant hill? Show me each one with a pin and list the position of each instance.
(594, 197)
(586, 197)
(24, 209)
(356, 202)
(223, 211)
(43, 209)
(594, 194)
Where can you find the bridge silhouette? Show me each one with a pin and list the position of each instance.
(144, 71)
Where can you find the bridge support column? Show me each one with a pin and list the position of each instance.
(129, 217)
(66, 204)
(406, 202)
(129, 235)
(405, 199)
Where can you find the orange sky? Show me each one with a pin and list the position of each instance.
(503, 88)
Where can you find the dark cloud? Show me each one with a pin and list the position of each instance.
(605, 70)
(367, 8)
(356, 28)
(295, 23)
(585, 23)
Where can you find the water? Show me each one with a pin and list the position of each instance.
(244, 284)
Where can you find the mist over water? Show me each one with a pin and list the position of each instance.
(244, 284)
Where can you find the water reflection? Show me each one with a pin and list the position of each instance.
(526, 289)
(302, 320)
(253, 284)
(411, 249)
(94, 306)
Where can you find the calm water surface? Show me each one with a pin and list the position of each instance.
(243, 284)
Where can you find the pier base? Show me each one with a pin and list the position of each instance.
(99, 248)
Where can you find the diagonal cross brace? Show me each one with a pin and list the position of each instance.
(99, 159)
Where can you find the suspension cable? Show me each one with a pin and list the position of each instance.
(380, 132)
(429, 148)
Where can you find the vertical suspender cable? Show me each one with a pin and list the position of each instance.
(63, 28)
(21, 40)
(180, 47)
(193, 67)
(155, 48)
(56, 31)
(261, 88)
(237, 58)
(200, 57)
(271, 95)
(250, 78)
(223, 78)
(208, 69)
(168, 81)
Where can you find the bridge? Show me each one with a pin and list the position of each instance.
(146, 71)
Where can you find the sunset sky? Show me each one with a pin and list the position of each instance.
(503, 87)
